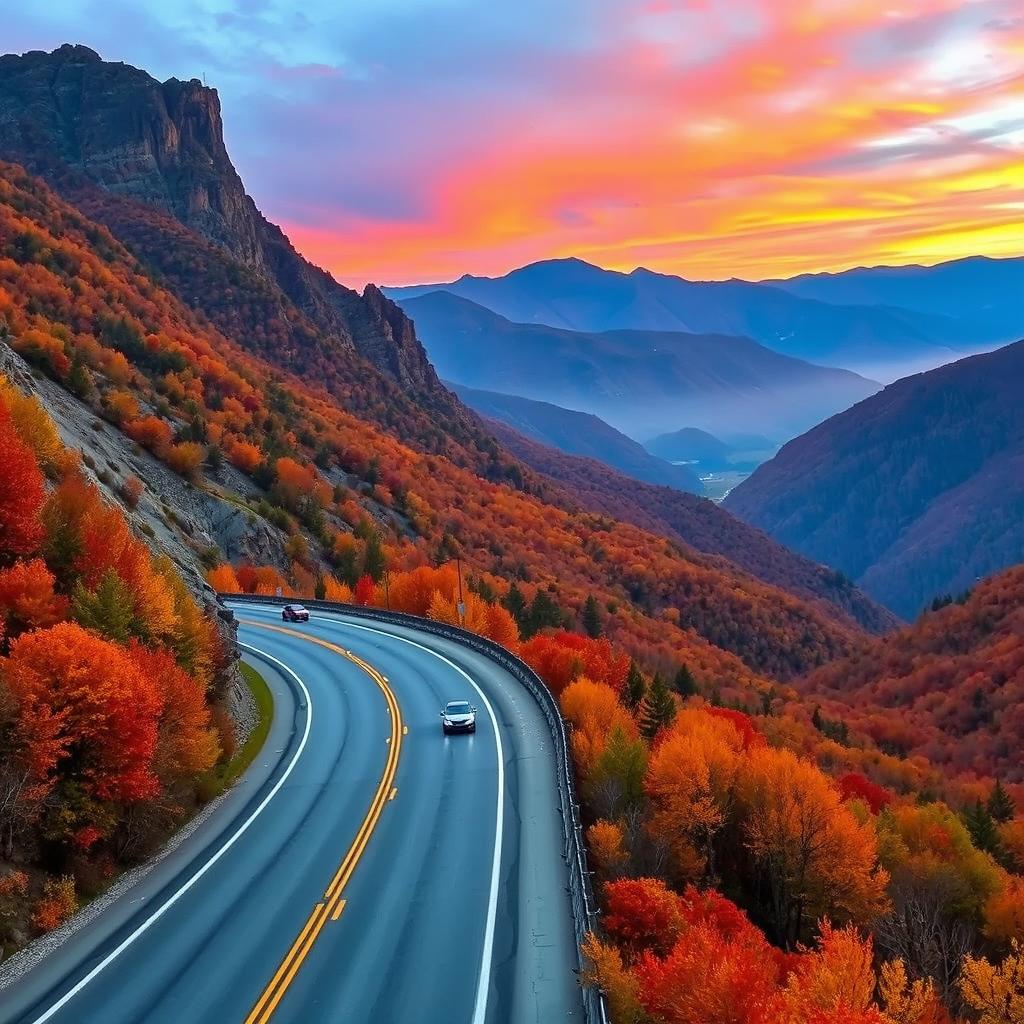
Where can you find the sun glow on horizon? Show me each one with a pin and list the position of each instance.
(416, 141)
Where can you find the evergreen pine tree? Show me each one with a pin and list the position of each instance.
(591, 618)
(635, 687)
(1000, 804)
(374, 562)
(684, 684)
(515, 603)
(108, 609)
(658, 708)
(982, 828)
(543, 612)
(320, 587)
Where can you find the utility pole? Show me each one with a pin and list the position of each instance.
(387, 588)
(462, 604)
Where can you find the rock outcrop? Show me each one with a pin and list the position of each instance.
(71, 116)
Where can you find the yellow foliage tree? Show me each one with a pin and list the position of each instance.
(33, 425)
(817, 859)
(837, 975)
(607, 844)
(606, 970)
(905, 1001)
(996, 992)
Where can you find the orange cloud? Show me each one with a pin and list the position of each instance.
(754, 139)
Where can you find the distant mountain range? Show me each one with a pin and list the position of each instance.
(915, 492)
(579, 433)
(874, 336)
(982, 294)
(642, 382)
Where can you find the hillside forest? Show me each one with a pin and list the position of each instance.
(764, 854)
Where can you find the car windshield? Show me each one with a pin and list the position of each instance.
(297, 608)
(458, 707)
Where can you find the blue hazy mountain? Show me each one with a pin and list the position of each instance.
(642, 382)
(579, 433)
(880, 341)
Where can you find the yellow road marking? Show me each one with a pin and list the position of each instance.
(333, 905)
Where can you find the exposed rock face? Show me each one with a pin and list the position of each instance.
(163, 144)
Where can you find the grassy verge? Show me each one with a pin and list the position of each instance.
(221, 776)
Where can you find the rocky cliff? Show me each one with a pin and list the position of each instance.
(73, 118)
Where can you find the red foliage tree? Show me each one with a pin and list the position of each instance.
(27, 599)
(854, 786)
(21, 493)
(642, 915)
(742, 723)
(79, 694)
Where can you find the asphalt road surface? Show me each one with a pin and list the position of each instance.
(366, 869)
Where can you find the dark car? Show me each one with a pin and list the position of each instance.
(295, 613)
(458, 716)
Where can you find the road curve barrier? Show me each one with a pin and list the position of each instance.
(581, 893)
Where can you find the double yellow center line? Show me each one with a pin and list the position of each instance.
(331, 906)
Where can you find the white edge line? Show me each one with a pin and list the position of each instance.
(153, 918)
(484, 981)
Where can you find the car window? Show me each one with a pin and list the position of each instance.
(458, 708)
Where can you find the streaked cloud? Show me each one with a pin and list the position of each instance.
(406, 140)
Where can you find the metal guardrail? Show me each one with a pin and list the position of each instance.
(581, 893)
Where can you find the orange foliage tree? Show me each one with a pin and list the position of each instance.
(84, 707)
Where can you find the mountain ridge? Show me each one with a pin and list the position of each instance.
(578, 433)
(915, 492)
(575, 295)
(642, 382)
(109, 137)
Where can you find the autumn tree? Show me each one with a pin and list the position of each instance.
(710, 976)
(594, 712)
(604, 968)
(837, 976)
(816, 860)
(224, 580)
(995, 992)
(906, 1000)
(21, 494)
(88, 715)
(187, 742)
(27, 598)
(34, 426)
(641, 915)
(606, 842)
(689, 784)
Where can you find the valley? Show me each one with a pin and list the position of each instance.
(725, 577)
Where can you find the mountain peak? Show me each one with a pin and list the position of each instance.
(113, 131)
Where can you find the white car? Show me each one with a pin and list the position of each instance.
(458, 716)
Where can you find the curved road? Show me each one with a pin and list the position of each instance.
(366, 868)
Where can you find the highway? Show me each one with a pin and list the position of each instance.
(366, 868)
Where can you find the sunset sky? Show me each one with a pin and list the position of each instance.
(410, 140)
